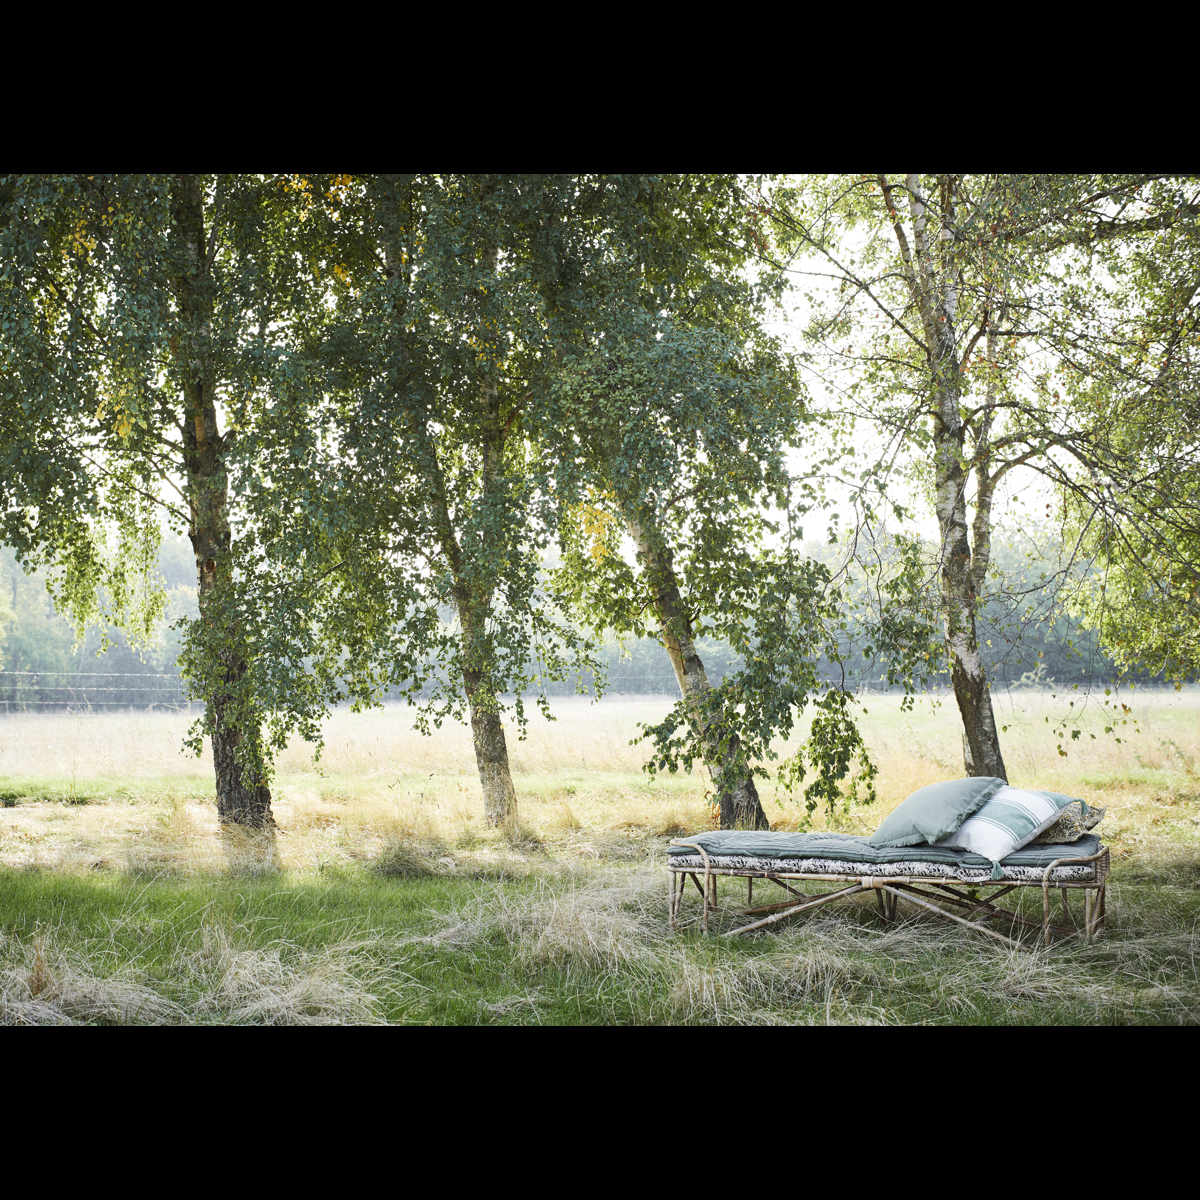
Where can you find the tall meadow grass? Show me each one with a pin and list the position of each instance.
(113, 879)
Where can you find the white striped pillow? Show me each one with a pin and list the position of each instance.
(1012, 818)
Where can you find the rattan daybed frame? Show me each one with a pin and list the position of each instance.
(889, 890)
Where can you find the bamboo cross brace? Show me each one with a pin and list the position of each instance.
(776, 880)
(997, 911)
(941, 912)
(764, 908)
(795, 908)
(985, 904)
(988, 903)
(978, 901)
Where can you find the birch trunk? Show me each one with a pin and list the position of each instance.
(473, 599)
(961, 578)
(933, 278)
(243, 800)
(487, 733)
(473, 589)
(740, 807)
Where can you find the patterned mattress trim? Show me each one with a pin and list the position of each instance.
(832, 866)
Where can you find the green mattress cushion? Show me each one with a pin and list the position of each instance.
(1043, 855)
(847, 847)
(933, 811)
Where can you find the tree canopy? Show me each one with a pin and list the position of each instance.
(134, 307)
(435, 436)
(507, 362)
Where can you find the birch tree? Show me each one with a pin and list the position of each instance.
(1131, 356)
(423, 507)
(494, 357)
(950, 325)
(673, 415)
(132, 307)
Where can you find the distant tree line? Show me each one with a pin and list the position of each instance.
(1029, 638)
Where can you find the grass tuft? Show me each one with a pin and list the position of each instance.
(404, 859)
(43, 983)
(283, 984)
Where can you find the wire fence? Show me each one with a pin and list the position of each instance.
(100, 691)
(88, 691)
(617, 685)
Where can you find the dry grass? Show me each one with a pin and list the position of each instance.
(119, 747)
(1149, 781)
(55, 978)
(599, 936)
(114, 792)
(122, 800)
(835, 968)
(44, 983)
(598, 922)
(283, 985)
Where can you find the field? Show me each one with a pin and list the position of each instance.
(395, 904)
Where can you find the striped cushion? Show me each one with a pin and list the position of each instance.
(1009, 820)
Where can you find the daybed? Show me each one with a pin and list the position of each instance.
(948, 880)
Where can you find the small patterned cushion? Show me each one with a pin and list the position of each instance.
(1073, 822)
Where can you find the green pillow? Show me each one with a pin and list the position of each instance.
(933, 811)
